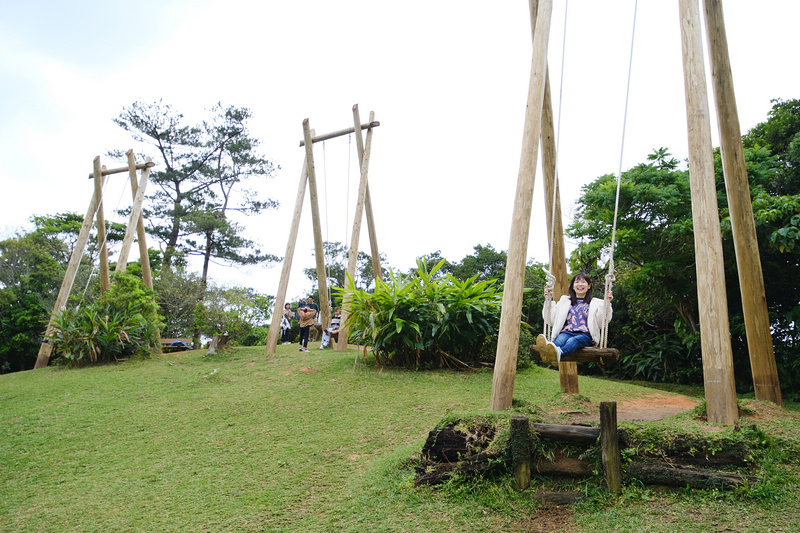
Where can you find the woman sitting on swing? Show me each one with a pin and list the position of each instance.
(577, 318)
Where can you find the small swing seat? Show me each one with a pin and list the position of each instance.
(591, 354)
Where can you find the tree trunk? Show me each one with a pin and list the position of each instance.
(219, 342)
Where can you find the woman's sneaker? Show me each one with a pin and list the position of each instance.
(551, 353)
(541, 342)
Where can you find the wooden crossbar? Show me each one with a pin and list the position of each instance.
(339, 133)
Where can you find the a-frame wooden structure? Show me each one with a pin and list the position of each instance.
(95, 212)
(720, 392)
(364, 202)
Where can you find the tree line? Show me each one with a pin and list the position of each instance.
(211, 170)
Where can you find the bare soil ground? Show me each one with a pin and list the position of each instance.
(652, 407)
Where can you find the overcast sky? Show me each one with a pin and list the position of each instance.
(447, 81)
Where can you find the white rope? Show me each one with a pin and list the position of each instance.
(327, 232)
(548, 302)
(558, 138)
(347, 196)
(550, 283)
(609, 281)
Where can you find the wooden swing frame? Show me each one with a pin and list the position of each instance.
(720, 392)
(95, 212)
(363, 203)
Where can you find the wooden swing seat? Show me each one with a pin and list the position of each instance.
(590, 354)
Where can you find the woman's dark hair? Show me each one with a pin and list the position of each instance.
(574, 297)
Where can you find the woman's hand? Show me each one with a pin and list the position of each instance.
(547, 292)
(609, 295)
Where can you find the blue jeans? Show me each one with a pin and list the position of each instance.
(570, 341)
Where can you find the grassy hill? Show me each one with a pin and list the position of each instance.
(316, 441)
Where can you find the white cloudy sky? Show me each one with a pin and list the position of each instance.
(447, 80)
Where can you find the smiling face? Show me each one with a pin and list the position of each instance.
(581, 287)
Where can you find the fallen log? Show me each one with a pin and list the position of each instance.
(441, 472)
(563, 465)
(665, 474)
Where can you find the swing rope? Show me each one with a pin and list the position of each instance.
(327, 233)
(550, 278)
(347, 197)
(609, 278)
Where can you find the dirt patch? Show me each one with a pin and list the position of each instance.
(549, 518)
(652, 407)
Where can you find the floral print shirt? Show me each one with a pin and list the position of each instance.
(578, 318)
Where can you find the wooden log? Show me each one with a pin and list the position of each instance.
(561, 432)
(713, 307)
(134, 220)
(609, 446)
(373, 239)
(141, 234)
(568, 373)
(505, 369)
(139, 166)
(283, 284)
(481, 462)
(45, 349)
(664, 474)
(339, 133)
(563, 465)
(745, 242)
(358, 214)
(105, 281)
(324, 316)
(584, 355)
(520, 444)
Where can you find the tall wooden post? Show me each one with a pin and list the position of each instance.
(141, 235)
(567, 370)
(134, 220)
(715, 337)
(373, 239)
(508, 339)
(319, 251)
(283, 284)
(69, 278)
(357, 217)
(105, 281)
(751, 278)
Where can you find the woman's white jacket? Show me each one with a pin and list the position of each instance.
(560, 310)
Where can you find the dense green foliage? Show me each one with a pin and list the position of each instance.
(232, 311)
(421, 320)
(336, 259)
(120, 324)
(658, 330)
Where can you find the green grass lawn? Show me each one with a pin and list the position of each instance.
(307, 442)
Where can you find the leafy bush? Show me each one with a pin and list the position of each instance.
(419, 320)
(232, 311)
(122, 323)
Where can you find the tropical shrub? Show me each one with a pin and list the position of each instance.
(421, 320)
(121, 324)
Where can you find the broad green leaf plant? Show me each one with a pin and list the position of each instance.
(421, 321)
